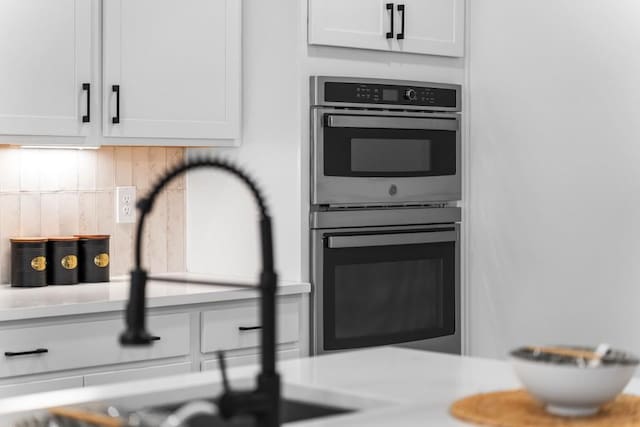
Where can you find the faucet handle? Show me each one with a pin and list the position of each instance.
(223, 369)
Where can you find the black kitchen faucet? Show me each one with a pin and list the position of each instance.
(263, 402)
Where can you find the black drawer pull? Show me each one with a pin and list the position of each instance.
(248, 328)
(25, 353)
(87, 118)
(155, 338)
(116, 118)
(390, 9)
(401, 9)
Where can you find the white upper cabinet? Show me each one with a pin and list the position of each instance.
(431, 26)
(352, 23)
(46, 67)
(171, 69)
(175, 66)
(434, 27)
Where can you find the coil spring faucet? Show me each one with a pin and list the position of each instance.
(263, 402)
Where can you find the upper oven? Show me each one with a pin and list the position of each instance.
(384, 142)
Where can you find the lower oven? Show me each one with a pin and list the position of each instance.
(386, 276)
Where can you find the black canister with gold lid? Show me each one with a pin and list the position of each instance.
(62, 260)
(28, 261)
(93, 253)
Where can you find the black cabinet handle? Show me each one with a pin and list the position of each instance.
(25, 353)
(155, 338)
(401, 9)
(116, 118)
(87, 118)
(390, 9)
(248, 328)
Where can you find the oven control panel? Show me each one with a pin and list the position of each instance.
(391, 94)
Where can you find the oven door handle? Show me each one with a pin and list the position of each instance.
(385, 122)
(416, 238)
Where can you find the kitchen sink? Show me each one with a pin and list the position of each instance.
(291, 410)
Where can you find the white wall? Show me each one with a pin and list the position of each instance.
(277, 65)
(222, 223)
(555, 177)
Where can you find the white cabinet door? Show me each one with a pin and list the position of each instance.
(433, 27)
(236, 326)
(175, 67)
(136, 374)
(64, 346)
(30, 387)
(248, 359)
(352, 23)
(45, 57)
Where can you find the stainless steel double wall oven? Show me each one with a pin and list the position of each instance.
(385, 167)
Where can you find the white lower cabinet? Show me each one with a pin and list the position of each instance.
(136, 374)
(237, 325)
(40, 386)
(39, 349)
(47, 355)
(249, 359)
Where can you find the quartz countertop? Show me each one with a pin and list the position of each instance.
(387, 385)
(84, 298)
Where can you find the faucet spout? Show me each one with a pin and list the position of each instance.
(264, 401)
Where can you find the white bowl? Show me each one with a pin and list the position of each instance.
(569, 389)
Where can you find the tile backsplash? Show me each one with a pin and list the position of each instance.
(50, 192)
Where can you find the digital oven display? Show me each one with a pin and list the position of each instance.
(390, 95)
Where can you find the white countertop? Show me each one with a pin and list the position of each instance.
(29, 303)
(389, 386)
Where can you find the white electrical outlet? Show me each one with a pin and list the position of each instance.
(125, 205)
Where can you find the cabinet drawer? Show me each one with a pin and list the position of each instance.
(136, 374)
(12, 390)
(230, 326)
(82, 344)
(250, 359)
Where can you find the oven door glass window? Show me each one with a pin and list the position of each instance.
(378, 295)
(388, 152)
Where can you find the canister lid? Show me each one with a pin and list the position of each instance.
(93, 236)
(28, 239)
(63, 239)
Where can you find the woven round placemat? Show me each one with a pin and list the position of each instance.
(516, 408)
